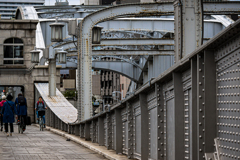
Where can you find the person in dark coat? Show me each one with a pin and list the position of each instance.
(1, 105)
(21, 110)
(8, 112)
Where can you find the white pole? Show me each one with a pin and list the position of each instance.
(52, 77)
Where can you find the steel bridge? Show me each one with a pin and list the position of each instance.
(187, 110)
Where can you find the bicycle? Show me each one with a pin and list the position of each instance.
(41, 125)
(21, 125)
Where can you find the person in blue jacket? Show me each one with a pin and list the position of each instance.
(8, 112)
(21, 103)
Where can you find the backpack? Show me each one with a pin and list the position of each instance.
(21, 100)
(38, 104)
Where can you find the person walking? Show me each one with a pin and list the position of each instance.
(40, 108)
(21, 103)
(8, 111)
(1, 105)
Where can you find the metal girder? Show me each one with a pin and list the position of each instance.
(144, 41)
(128, 60)
(123, 68)
(188, 27)
(85, 44)
(129, 53)
(221, 8)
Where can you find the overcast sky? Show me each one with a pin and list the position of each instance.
(71, 2)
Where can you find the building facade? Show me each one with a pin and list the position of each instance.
(17, 73)
(8, 8)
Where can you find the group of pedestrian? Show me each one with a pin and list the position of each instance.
(8, 110)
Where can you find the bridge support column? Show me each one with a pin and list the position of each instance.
(81, 130)
(210, 101)
(160, 119)
(59, 124)
(194, 112)
(119, 131)
(144, 126)
(109, 131)
(87, 132)
(188, 27)
(101, 131)
(53, 120)
(130, 130)
(178, 116)
(77, 130)
(200, 105)
(93, 131)
(47, 118)
(56, 122)
(62, 126)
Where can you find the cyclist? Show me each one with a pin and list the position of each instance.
(40, 109)
(21, 103)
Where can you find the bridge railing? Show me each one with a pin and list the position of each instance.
(179, 114)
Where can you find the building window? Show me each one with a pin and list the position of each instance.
(122, 86)
(13, 51)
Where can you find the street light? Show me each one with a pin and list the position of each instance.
(56, 36)
(61, 56)
(56, 31)
(96, 34)
(35, 55)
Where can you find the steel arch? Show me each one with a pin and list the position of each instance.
(85, 45)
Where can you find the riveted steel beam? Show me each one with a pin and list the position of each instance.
(200, 106)
(188, 27)
(160, 119)
(221, 8)
(123, 68)
(87, 132)
(129, 53)
(82, 130)
(144, 126)
(101, 131)
(178, 116)
(110, 42)
(85, 45)
(119, 131)
(130, 130)
(94, 132)
(210, 100)
(193, 111)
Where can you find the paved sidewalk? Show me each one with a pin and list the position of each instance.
(33, 145)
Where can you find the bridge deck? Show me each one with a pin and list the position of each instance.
(34, 144)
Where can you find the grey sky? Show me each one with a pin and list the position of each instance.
(71, 2)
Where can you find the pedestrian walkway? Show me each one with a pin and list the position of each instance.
(33, 145)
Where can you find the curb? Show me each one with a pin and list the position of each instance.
(109, 154)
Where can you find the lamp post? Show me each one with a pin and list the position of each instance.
(56, 31)
(96, 34)
(56, 36)
(35, 55)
